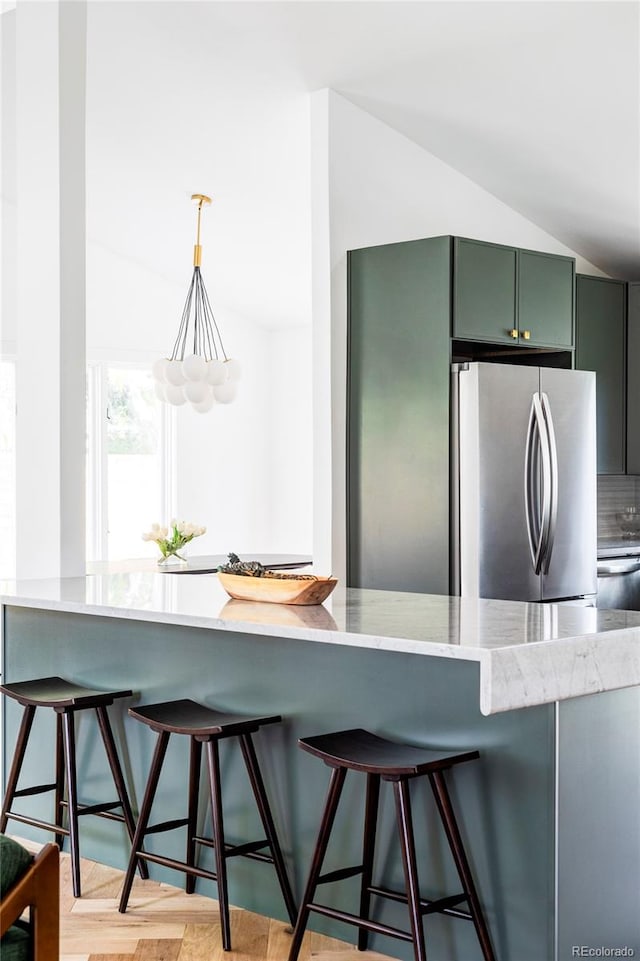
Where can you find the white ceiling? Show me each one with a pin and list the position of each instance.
(538, 102)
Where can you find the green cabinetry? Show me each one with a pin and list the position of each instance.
(484, 291)
(546, 298)
(633, 379)
(398, 416)
(507, 295)
(601, 347)
(406, 300)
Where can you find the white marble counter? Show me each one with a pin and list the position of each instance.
(528, 653)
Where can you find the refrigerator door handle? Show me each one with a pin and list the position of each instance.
(537, 515)
(553, 484)
(530, 506)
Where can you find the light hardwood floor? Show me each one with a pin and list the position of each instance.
(165, 924)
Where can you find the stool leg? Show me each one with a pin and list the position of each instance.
(59, 792)
(405, 828)
(68, 725)
(257, 785)
(213, 759)
(118, 778)
(16, 764)
(143, 817)
(192, 823)
(335, 789)
(448, 818)
(368, 848)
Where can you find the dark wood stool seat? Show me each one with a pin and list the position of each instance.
(205, 725)
(361, 750)
(198, 720)
(65, 698)
(384, 760)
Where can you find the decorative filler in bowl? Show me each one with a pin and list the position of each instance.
(172, 539)
(250, 581)
(629, 521)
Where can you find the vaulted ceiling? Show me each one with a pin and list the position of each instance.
(538, 102)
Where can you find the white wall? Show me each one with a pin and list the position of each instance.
(131, 310)
(383, 188)
(222, 456)
(49, 296)
(290, 440)
(7, 182)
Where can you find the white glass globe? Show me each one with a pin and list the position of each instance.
(159, 369)
(206, 404)
(196, 391)
(160, 390)
(225, 393)
(233, 369)
(173, 373)
(194, 367)
(175, 395)
(216, 373)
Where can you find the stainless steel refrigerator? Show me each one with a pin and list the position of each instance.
(523, 523)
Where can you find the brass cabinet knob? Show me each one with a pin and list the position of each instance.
(513, 333)
(526, 334)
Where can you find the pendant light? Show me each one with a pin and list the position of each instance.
(198, 370)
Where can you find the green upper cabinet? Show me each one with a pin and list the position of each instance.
(484, 291)
(600, 346)
(633, 380)
(509, 296)
(545, 299)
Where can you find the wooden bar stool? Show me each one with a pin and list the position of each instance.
(203, 725)
(66, 699)
(359, 750)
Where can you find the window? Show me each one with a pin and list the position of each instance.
(129, 475)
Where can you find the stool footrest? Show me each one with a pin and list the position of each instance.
(162, 826)
(359, 922)
(104, 809)
(100, 810)
(36, 789)
(177, 865)
(37, 823)
(251, 849)
(439, 906)
(340, 874)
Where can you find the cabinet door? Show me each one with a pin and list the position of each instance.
(484, 291)
(600, 343)
(545, 299)
(398, 416)
(633, 380)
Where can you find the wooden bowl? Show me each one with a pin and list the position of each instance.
(284, 589)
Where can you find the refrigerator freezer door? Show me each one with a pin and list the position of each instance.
(570, 565)
(494, 415)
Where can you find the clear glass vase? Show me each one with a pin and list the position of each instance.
(172, 559)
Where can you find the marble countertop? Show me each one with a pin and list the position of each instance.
(528, 654)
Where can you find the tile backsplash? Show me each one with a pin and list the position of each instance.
(615, 492)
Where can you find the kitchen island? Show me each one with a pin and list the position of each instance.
(549, 694)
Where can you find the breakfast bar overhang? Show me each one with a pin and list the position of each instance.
(549, 694)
